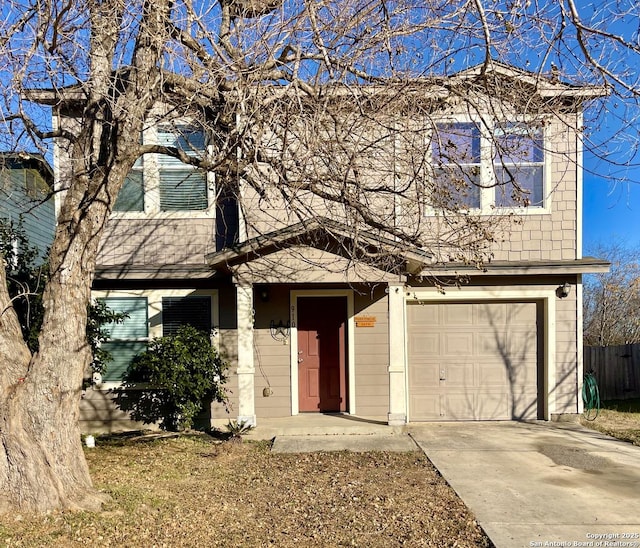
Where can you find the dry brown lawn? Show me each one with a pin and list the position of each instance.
(618, 418)
(197, 491)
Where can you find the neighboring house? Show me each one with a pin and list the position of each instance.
(310, 329)
(26, 183)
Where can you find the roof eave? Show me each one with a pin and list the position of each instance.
(578, 266)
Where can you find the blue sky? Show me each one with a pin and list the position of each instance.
(611, 212)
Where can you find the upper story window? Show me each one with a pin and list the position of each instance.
(161, 183)
(483, 168)
(457, 164)
(182, 187)
(518, 159)
(131, 196)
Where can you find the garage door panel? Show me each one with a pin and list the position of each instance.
(426, 407)
(492, 406)
(524, 375)
(426, 375)
(458, 405)
(457, 343)
(491, 375)
(525, 404)
(423, 315)
(486, 345)
(522, 314)
(457, 314)
(479, 362)
(456, 375)
(492, 314)
(425, 345)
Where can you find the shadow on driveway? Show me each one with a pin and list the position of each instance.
(538, 483)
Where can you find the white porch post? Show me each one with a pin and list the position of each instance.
(397, 356)
(246, 368)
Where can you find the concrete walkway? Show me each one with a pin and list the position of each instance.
(540, 484)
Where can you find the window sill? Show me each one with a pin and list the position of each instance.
(168, 215)
(501, 211)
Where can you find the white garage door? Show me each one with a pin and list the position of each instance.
(473, 361)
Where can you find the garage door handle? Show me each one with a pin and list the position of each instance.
(443, 377)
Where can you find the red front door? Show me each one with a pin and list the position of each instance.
(322, 354)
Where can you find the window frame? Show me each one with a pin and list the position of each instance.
(150, 167)
(531, 129)
(144, 339)
(154, 315)
(462, 166)
(488, 175)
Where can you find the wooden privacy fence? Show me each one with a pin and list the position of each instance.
(617, 370)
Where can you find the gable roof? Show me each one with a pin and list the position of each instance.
(27, 160)
(326, 235)
(545, 85)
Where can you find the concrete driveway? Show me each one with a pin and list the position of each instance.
(540, 484)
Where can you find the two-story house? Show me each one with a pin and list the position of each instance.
(26, 184)
(311, 323)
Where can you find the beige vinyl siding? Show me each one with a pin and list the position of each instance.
(551, 236)
(372, 356)
(156, 241)
(100, 414)
(272, 356)
(228, 348)
(566, 355)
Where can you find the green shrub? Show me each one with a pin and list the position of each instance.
(173, 380)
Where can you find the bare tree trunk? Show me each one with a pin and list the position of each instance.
(42, 465)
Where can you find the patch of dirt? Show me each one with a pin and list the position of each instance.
(197, 491)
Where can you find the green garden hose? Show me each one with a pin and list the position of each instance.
(590, 397)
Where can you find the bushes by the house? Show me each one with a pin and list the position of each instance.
(173, 380)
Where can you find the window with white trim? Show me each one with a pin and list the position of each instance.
(457, 165)
(127, 338)
(482, 168)
(518, 159)
(182, 187)
(159, 183)
(152, 313)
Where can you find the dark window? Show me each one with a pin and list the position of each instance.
(131, 195)
(178, 311)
